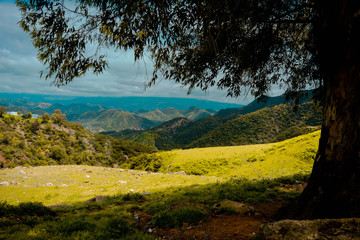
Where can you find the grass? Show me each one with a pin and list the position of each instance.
(251, 161)
(167, 200)
(79, 183)
(114, 218)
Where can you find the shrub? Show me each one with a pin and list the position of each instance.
(34, 209)
(133, 197)
(70, 225)
(117, 227)
(175, 218)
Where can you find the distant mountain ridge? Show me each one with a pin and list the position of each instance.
(257, 122)
(126, 103)
(98, 118)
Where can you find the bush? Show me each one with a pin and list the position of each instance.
(177, 217)
(70, 225)
(117, 227)
(25, 209)
(34, 209)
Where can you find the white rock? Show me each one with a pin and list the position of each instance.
(48, 184)
(5, 184)
(87, 176)
(122, 181)
(21, 172)
(63, 185)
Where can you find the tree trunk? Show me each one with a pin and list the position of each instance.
(333, 190)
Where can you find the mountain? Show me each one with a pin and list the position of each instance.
(97, 118)
(111, 119)
(259, 103)
(126, 103)
(269, 124)
(25, 106)
(33, 142)
(167, 114)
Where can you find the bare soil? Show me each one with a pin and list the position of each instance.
(217, 226)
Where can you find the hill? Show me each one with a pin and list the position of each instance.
(192, 113)
(269, 124)
(56, 141)
(251, 161)
(112, 120)
(259, 103)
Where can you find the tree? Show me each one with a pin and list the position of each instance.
(45, 118)
(58, 117)
(2, 111)
(237, 45)
(27, 115)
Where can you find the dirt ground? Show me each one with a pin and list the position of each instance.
(219, 226)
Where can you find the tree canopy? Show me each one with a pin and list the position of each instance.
(235, 45)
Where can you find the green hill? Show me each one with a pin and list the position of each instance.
(251, 161)
(111, 119)
(269, 124)
(36, 142)
(192, 113)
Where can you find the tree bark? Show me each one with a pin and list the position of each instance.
(333, 190)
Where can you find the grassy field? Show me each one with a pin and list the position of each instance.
(146, 205)
(251, 161)
(69, 183)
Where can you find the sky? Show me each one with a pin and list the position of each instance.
(20, 71)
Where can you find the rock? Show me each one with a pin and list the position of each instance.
(87, 176)
(99, 198)
(122, 181)
(49, 184)
(145, 193)
(237, 207)
(21, 172)
(178, 173)
(63, 185)
(13, 182)
(344, 229)
(5, 184)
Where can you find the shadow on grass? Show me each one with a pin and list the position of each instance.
(111, 218)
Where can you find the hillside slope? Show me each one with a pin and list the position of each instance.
(269, 124)
(192, 113)
(33, 142)
(251, 161)
(111, 119)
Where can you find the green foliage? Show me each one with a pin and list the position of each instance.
(117, 228)
(58, 117)
(25, 209)
(2, 111)
(45, 118)
(176, 217)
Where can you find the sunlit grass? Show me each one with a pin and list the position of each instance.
(79, 183)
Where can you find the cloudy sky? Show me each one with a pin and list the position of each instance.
(19, 71)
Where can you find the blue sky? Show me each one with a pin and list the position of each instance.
(19, 71)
